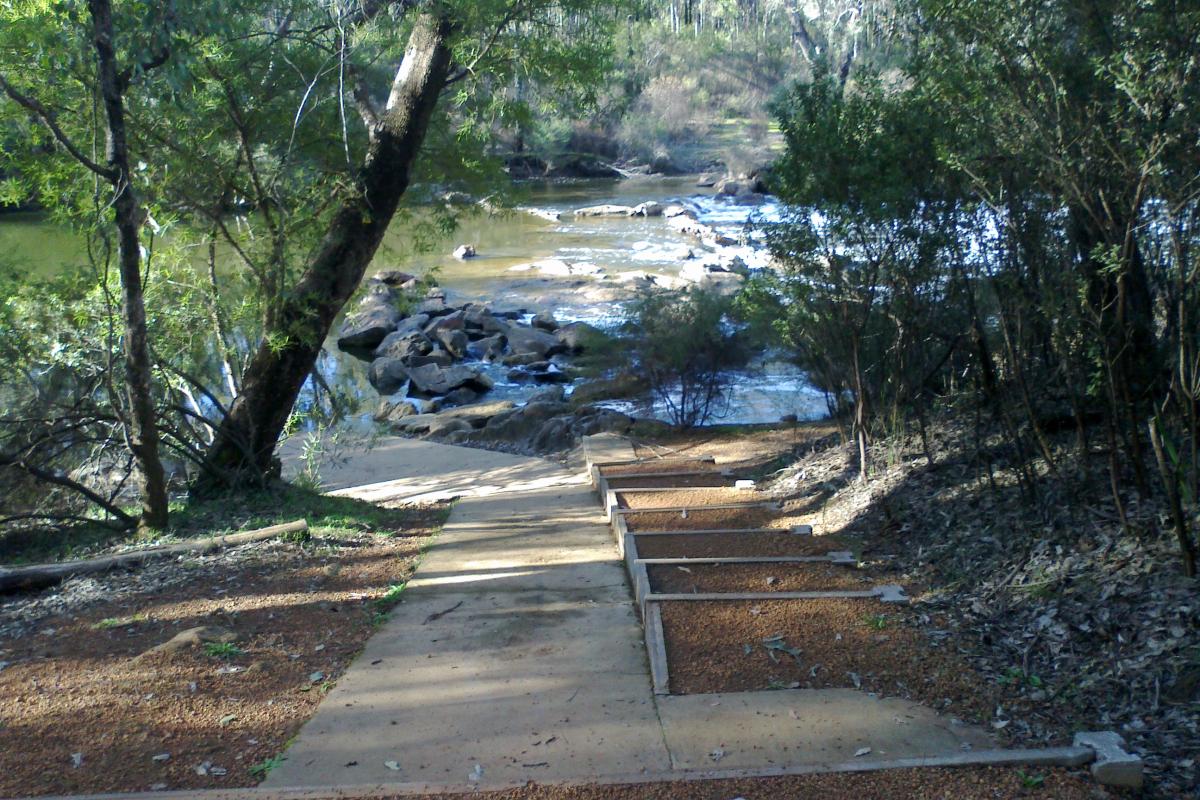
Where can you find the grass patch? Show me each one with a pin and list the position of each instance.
(328, 517)
(263, 768)
(118, 622)
(222, 650)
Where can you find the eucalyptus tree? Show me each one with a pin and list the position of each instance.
(257, 153)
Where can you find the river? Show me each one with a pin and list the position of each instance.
(765, 391)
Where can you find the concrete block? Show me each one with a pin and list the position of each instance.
(802, 530)
(744, 485)
(841, 557)
(1114, 765)
(891, 593)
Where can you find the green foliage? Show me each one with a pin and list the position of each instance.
(684, 344)
(264, 768)
(226, 651)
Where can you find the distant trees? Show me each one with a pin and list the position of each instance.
(1016, 221)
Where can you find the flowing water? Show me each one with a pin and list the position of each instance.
(763, 392)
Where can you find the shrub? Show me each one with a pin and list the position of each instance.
(684, 346)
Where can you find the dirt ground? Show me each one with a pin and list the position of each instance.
(739, 645)
(982, 783)
(699, 519)
(688, 498)
(732, 545)
(713, 479)
(86, 706)
(776, 577)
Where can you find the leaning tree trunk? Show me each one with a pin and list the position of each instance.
(244, 446)
(142, 423)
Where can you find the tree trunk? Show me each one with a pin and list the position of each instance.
(244, 446)
(142, 425)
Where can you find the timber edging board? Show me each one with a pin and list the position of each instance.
(1105, 751)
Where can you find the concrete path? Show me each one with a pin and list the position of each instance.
(515, 654)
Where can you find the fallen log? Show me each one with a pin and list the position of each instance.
(39, 576)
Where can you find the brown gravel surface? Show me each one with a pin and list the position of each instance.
(85, 708)
(804, 577)
(732, 545)
(662, 465)
(699, 520)
(726, 646)
(671, 481)
(689, 498)
(968, 783)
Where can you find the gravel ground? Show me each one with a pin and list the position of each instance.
(738, 645)
(689, 498)
(662, 465)
(732, 545)
(700, 578)
(714, 479)
(85, 706)
(692, 520)
(980, 783)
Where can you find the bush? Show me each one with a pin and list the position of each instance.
(684, 346)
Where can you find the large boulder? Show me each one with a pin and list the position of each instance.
(436, 356)
(406, 327)
(431, 379)
(394, 411)
(393, 277)
(520, 425)
(455, 342)
(464, 251)
(453, 321)
(488, 348)
(404, 346)
(575, 336)
(544, 321)
(387, 375)
(608, 210)
(618, 387)
(479, 317)
(647, 209)
(523, 340)
(375, 318)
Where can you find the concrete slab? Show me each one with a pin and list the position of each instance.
(515, 648)
(607, 448)
(797, 727)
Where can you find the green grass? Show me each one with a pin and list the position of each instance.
(263, 768)
(876, 622)
(223, 650)
(328, 517)
(118, 622)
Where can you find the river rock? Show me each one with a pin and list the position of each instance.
(487, 349)
(543, 213)
(464, 251)
(433, 307)
(387, 375)
(406, 326)
(672, 211)
(454, 341)
(523, 340)
(368, 326)
(393, 277)
(393, 411)
(662, 164)
(404, 346)
(431, 379)
(476, 316)
(618, 387)
(437, 356)
(608, 210)
(648, 209)
(551, 394)
(575, 336)
(461, 396)
(545, 321)
(708, 179)
(454, 321)
(520, 425)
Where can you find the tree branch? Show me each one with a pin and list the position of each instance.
(47, 118)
